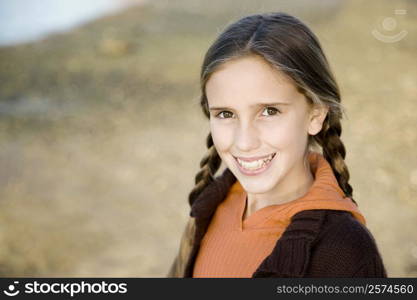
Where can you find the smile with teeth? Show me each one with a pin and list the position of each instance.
(257, 164)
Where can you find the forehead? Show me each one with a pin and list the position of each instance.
(249, 80)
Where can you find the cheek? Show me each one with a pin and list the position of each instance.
(222, 136)
(290, 133)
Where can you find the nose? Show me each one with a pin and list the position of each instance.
(246, 137)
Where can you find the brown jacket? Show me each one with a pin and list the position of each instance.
(317, 243)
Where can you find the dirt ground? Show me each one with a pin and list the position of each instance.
(101, 133)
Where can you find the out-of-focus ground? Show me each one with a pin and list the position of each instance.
(101, 133)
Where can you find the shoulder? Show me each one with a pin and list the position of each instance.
(341, 229)
(332, 225)
(342, 247)
(323, 243)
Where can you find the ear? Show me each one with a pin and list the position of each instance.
(316, 119)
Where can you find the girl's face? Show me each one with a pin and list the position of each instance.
(256, 112)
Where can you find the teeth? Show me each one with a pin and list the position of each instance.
(257, 164)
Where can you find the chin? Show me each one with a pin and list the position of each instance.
(255, 186)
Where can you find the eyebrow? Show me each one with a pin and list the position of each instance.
(254, 105)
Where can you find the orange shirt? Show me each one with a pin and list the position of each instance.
(233, 247)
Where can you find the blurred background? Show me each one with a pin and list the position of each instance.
(101, 132)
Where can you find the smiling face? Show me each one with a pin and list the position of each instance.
(256, 112)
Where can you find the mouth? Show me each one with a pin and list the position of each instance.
(254, 167)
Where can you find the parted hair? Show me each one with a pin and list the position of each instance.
(292, 48)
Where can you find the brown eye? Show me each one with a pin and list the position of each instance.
(271, 111)
(225, 114)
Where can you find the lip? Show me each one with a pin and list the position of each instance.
(256, 172)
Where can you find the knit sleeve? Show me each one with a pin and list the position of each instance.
(345, 249)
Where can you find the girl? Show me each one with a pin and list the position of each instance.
(283, 206)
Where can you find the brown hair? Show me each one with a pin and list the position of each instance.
(290, 46)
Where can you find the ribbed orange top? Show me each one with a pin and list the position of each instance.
(235, 248)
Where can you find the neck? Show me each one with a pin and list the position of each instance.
(298, 187)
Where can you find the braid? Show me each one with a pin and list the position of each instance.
(209, 166)
(334, 151)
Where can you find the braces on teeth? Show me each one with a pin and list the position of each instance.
(255, 164)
